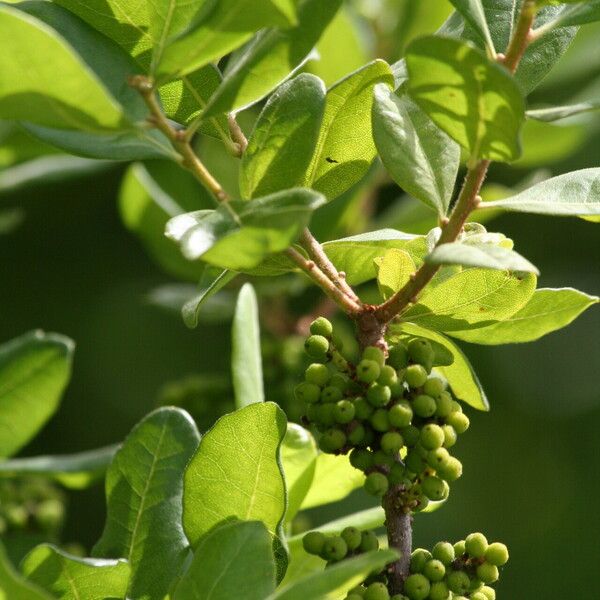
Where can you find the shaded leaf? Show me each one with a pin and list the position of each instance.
(15, 587)
(394, 269)
(474, 14)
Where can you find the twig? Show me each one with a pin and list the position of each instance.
(237, 135)
(522, 36)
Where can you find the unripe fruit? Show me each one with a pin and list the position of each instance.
(443, 405)
(391, 442)
(357, 436)
(421, 352)
(417, 587)
(331, 394)
(376, 484)
(343, 412)
(476, 544)
(369, 541)
(362, 409)
(434, 488)
(332, 440)
(334, 549)
(434, 570)
(439, 591)
(307, 392)
(411, 435)
(326, 414)
(312, 412)
(478, 596)
(488, 592)
(16, 515)
(379, 420)
(396, 474)
(414, 462)
(338, 361)
(399, 597)
(339, 380)
(398, 356)
(379, 395)
(321, 326)
(460, 548)
(458, 582)
(397, 388)
(487, 573)
(418, 559)
(354, 597)
(452, 470)
(359, 591)
(459, 421)
(415, 376)
(50, 513)
(497, 554)
(317, 373)
(313, 542)
(374, 353)
(377, 591)
(432, 436)
(352, 536)
(433, 387)
(400, 415)
(317, 346)
(424, 406)
(382, 459)
(367, 371)
(444, 552)
(450, 436)
(388, 376)
(438, 458)
(361, 459)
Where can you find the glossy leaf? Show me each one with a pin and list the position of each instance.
(475, 101)
(34, 371)
(15, 587)
(581, 13)
(473, 297)
(75, 471)
(569, 195)
(72, 578)
(144, 487)
(420, 157)
(555, 113)
(548, 310)
(270, 57)
(217, 29)
(230, 558)
(474, 13)
(355, 255)
(236, 474)
(486, 256)
(284, 137)
(394, 269)
(246, 357)
(345, 148)
(460, 375)
(241, 235)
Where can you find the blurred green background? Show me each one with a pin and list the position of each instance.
(532, 466)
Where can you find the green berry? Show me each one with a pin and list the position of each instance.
(476, 544)
(359, 591)
(460, 548)
(444, 552)
(307, 392)
(343, 411)
(434, 570)
(352, 537)
(379, 420)
(387, 376)
(417, 587)
(458, 582)
(456, 407)
(438, 458)
(397, 388)
(332, 440)
(357, 435)
(418, 559)
(334, 549)
(400, 415)
(313, 542)
(411, 435)
(379, 395)
(321, 326)
(398, 356)
(424, 406)
(369, 541)
(396, 474)
(434, 488)
(339, 380)
(50, 513)
(432, 436)
(361, 459)
(451, 471)
(496, 554)
(331, 394)
(338, 361)
(367, 371)
(16, 515)
(414, 462)
(317, 373)
(433, 387)
(459, 421)
(443, 405)
(381, 459)
(391, 442)
(376, 484)
(415, 376)
(317, 346)
(399, 597)
(420, 351)
(326, 414)
(450, 436)
(375, 354)
(362, 409)
(487, 573)
(377, 591)
(439, 591)
(354, 597)
(478, 596)
(488, 592)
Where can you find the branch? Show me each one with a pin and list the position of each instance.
(522, 36)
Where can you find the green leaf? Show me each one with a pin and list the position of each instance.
(270, 58)
(75, 471)
(144, 487)
(236, 473)
(338, 578)
(460, 374)
(474, 14)
(284, 137)
(150, 195)
(569, 195)
(299, 460)
(394, 269)
(34, 371)
(32, 56)
(420, 157)
(72, 578)
(246, 359)
(475, 101)
(345, 147)
(232, 557)
(471, 298)
(240, 235)
(217, 29)
(333, 480)
(15, 587)
(355, 255)
(212, 280)
(556, 113)
(370, 518)
(548, 310)
(486, 256)
(581, 13)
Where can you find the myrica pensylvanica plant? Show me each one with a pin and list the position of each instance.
(236, 152)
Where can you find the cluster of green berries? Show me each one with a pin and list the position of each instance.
(395, 417)
(31, 504)
(459, 571)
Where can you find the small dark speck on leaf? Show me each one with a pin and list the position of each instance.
(331, 160)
